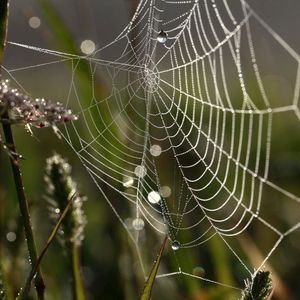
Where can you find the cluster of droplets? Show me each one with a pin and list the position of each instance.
(11, 100)
(48, 113)
(153, 197)
(39, 113)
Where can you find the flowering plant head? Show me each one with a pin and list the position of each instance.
(20, 108)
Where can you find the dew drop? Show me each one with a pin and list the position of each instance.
(138, 224)
(140, 171)
(87, 47)
(155, 150)
(128, 182)
(162, 37)
(176, 245)
(154, 197)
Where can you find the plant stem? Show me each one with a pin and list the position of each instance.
(39, 282)
(23, 205)
(77, 284)
(25, 290)
(3, 26)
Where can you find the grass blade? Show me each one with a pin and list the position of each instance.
(67, 43)
(80, 294)
(150, 281)
(25, 290)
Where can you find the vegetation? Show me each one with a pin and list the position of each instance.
(76, 248)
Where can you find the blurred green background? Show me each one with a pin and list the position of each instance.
(109, 259)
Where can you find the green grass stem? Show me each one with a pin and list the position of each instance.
(24, 210)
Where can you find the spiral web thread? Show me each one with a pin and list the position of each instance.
(199, 98)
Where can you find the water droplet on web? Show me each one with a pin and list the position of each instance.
(154, 197)
(155, 150)
(162, 37)
(175, 245)
(140, 171)
(87, 47)
(138, 224)
(128, 182)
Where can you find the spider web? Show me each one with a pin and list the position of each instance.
(183, 134)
